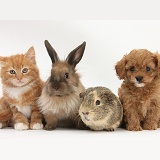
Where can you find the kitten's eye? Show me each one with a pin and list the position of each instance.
(25, 70)
(12, 72)
(98, 102)
(148, 69)
(66, 75)
(132, 69)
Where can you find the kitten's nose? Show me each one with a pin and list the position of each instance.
(139, 78)
(19, 77)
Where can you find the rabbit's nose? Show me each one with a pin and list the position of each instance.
(55, 87)
(85, 113)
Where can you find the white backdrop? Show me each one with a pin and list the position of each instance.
(107, 42)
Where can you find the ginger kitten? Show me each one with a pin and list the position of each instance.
(22, 86)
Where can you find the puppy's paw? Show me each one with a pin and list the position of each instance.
(49, 127)
(134, 128)
(36, 126)
(147, 126)
(21, 126)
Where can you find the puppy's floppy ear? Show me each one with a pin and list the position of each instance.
(157, 61)
(120, 67)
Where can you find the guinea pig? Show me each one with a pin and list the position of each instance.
(100, 109)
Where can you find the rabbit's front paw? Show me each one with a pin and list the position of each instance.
(50, 127)
(110, 129)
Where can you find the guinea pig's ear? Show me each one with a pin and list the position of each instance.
(76, 55)
(82, 94)
(120, 67)
(52, 53)
(86, 92)
(157, 61)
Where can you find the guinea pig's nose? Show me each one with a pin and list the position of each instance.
(85, 113)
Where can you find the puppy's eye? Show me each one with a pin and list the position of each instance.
(66, 75)
(98, 102)
(132, 69)
(148, 69)
(24, 70)
(12, 72)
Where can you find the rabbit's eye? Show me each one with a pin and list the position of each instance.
(98, 102)
(66, 75)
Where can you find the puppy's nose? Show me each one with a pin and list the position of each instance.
(139, 78)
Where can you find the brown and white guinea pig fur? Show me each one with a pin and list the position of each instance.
(60, 101)
(100, 109)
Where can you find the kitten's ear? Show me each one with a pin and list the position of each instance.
(30, 55)
(2, 61)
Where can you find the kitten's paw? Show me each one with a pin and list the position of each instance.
(36, 126)
(21, 126)
(1, 125)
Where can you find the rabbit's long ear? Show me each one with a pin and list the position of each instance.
(76, 55)
(52, 53)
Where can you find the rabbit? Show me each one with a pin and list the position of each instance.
(100, 109)
(59, 101)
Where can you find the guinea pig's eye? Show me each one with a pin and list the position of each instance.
(132, 69)
(66, 75)
(98, 102)
(148, 69)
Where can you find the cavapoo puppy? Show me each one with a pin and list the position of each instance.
(140, 90)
